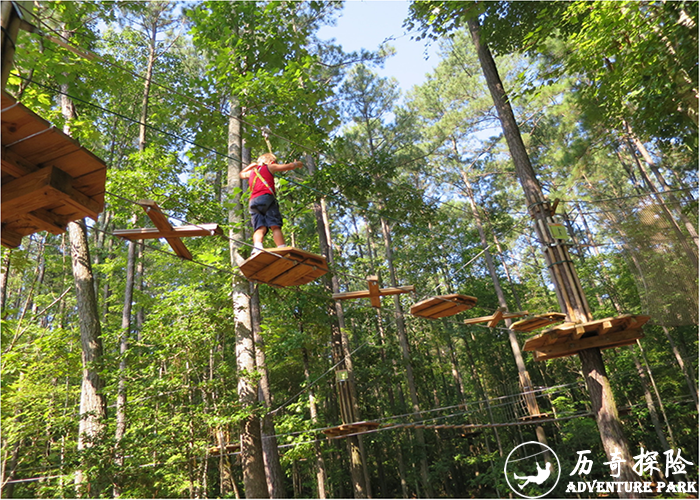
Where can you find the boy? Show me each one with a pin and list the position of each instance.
(264, 209)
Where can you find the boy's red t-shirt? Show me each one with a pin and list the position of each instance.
(258, 187)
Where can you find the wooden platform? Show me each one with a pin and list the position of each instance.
(537, 322)
(495, 318)
(285, 266)
(354, 428)
(570, 338)
(442, 306)
(48, 179)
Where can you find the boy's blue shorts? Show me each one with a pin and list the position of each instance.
(265, 212)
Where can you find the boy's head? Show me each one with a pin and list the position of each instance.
(266, 159)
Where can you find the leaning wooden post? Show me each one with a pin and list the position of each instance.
(570, 294)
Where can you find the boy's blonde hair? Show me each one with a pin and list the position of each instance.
(266, 159)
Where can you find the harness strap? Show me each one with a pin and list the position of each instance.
(258, 175)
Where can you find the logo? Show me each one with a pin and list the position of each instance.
(532, 470)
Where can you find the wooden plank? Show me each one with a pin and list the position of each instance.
(33, 191)
(291, 276)
(272, 270)
(148, 233)
(574, 346)
(442, 305)
(373, 288)
(10, 239)
(46, 220)
(161, 222)
(497, 316)
(363, 294)
(484, 319)
(15, 165)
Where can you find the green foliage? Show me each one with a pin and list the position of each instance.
(404, 165)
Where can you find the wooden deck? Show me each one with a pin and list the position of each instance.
(442, 306)
(284, 266)
(570, 338)
(48, 179)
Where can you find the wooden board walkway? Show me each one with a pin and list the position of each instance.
(48, 179)
(442, 306)
(570, 338)
(284, 266)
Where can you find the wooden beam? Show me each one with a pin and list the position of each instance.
(10, 239)
(486, 319)
(46, 220)
(363, 294)
(373, 286)
(148, 233)
(497, 316)
(161, 222)
(41, 188)
(14, 165)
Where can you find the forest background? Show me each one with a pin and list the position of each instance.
(415, 188)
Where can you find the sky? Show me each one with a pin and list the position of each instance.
(366, 24)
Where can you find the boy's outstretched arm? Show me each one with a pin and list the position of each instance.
(276, 167)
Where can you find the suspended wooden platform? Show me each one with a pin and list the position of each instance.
(374, 293)
(442, 306)
(48, 179)
(354, 428)
(570, 338)
(537, 322)
(284, 266)
(495, 318)
(165, 230)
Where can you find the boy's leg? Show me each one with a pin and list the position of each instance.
(258, 236)
(277, 236)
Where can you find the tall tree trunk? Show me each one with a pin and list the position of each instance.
(121, 378)
(273, 468)
(93, 403)
(523, 375)
(406, 356)
(571, 298)
(345, 388)
(254, 480)
(313, 410)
